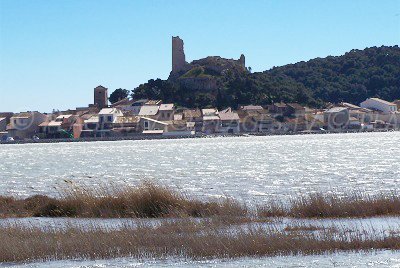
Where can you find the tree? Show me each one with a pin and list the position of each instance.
(118, 94)
(352, 77)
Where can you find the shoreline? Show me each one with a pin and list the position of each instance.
(161, 137)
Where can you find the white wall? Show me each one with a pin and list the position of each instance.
(377, 105)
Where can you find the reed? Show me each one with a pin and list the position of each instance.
(185, 238)
(149, 200)
(334, 206)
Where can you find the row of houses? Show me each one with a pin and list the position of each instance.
(152, 117)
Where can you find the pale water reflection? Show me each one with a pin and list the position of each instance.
(251, 168)
(362, 259)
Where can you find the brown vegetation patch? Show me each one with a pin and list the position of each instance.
(333, 206)
(185, 238)
(307, 228)
(145, 201)
(149, 200)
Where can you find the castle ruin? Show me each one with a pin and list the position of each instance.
(178, 55)
(202, 74)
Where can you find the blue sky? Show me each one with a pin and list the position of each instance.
(53, 53)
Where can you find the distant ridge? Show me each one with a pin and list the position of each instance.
(352, 77)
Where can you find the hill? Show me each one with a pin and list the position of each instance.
(352, 77)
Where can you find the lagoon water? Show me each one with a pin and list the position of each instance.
(344, 259)
(246, 168)
(251, 169)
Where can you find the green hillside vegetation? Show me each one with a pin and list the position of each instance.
(352, 77)
(198, 72)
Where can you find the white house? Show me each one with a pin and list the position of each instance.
(109, 115)
(152, 126)
(148, 110)
(92, 123)
(380, 105)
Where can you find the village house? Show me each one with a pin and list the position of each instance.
(397, 102)
(3, 124)
(61, 127)
(166, 112)
(278, 108)
(211, 120)
(298, 124)
(254, 119)
(380, 124)
(354, 123)
(265, 123)
(379, 105)
(229, 121)
(152, 126)
(126, 125)
(49, 129)
(123, 105)
(7, 116)
(149, 111)
(101, 125)
(349, 106)
(25, 125)
(90, 126)
(336, 118)
(3, 128)
(315, 121)
(194, 117)
(295, 109)
(132, 106)
(137, 105)
(180, 128)
(107, 117)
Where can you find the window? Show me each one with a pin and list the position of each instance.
(146, 125)
(109, 118)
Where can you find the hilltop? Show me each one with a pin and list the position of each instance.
(352, 77)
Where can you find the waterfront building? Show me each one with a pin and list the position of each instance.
(211, 120)
(229, 121)
(25, 125)
(295, 109)
(380, 105)
(152, 126)
(336, 118)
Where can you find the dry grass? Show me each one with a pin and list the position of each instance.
(186, 238)
(333, 206)
(302, 227)
(149, 200)
(145, 201)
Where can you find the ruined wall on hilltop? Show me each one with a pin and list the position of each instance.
(213, 66)
(178, 55)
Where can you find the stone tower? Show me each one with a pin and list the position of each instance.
(178, 54)
(242, 61)
(101, 97)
